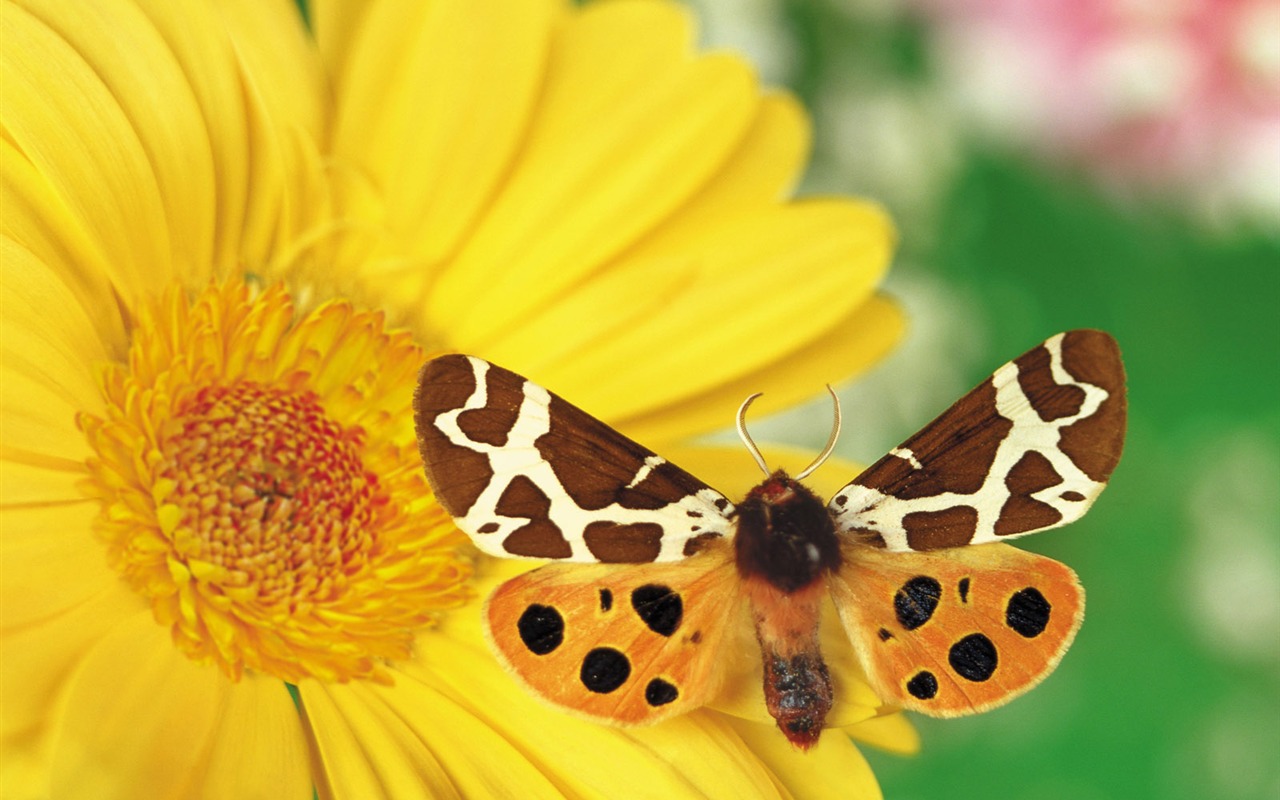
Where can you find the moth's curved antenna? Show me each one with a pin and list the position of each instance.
(746, 438)
(831, 443)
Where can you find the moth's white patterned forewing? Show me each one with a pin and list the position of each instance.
(1028, 449)
(526, 474)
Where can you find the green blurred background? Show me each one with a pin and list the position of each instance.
(1172, 689)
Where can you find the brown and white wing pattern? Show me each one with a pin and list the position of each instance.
(526, 474)
(1030, 448)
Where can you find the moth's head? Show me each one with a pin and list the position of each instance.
(778, 489)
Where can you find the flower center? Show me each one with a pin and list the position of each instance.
(261, 486)
(273, 493)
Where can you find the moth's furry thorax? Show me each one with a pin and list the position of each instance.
(785, 535)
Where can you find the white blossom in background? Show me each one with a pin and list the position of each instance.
(1233, 561)
(756, 28)
(892, 141)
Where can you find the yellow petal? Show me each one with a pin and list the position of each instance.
(24, 765)
(850, 346)
(627, 128)
(66, 119)
(409, 740)
(49, 335)
(432, 100)
(41, 652)
(572, 323)
(48, 348)
(132, 706)
(158, 89)
(51, 561)
(145, 135)
(258, 747)
(257, 80)
(761, 171)
(892, 732)
(39, 418)
(39, 481)
(362, 753)
(336, 25)
(274, 51)
(772, 283)
(142, 720)
(46, 244)
(833, 768)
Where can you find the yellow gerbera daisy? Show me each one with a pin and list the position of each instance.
(209, 481)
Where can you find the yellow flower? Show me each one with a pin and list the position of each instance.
(209, 481)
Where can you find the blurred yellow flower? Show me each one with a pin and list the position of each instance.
(210, 485)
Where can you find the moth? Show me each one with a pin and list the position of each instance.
(655, 573)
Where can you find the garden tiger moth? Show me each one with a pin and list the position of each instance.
(654, 570)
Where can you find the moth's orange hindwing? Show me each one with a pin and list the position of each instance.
(958, 631)
(526, 474)
(622, 644)
(1028, 449)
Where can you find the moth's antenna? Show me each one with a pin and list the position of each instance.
(746, 438)
(831, 443)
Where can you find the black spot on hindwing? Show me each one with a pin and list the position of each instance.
(659, 692)
(916, 601)
(659, 607)
(606, 599)
(974, 657)
(1028, 612)
(541, 629)
(604, 669)
(964, 590)
(923, 685)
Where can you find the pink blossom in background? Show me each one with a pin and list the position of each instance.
(1150, 95)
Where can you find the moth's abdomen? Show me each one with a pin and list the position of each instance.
(797, 684)
(798, 695)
